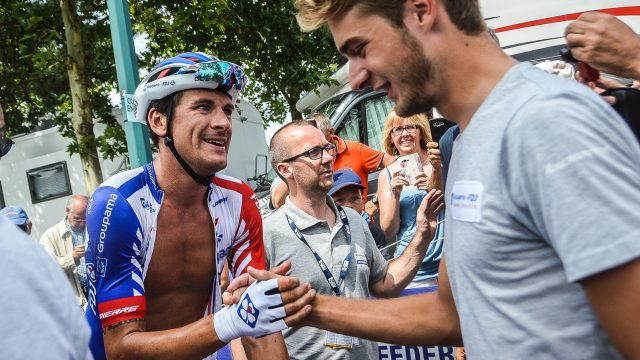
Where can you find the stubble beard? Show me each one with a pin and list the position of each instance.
(417, 71)
(318, 188)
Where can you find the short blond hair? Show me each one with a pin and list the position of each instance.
(312, 14)
(421, 120)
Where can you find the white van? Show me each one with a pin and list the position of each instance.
(39, 175)
(528, 31)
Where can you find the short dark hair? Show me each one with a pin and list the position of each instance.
(278, 150)
(162, 105)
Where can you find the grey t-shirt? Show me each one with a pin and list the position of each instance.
(366, 267)
(40, 318)
(543, 191)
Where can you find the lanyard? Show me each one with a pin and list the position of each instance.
(345, 264)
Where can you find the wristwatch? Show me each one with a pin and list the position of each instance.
(374, 199)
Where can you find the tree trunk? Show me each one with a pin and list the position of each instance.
(291, 101)
(81, 120)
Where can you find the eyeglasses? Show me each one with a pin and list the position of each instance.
(225, 73)
(316, 152)
(397, 131)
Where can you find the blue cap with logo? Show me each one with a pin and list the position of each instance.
(343, 178)
(16, 214)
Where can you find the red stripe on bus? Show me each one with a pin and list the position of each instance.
(620, 11)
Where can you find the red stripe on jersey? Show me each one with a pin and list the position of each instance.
(116, 311)
(250, 215)
(237, 185)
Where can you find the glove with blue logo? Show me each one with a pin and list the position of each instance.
(260, 312)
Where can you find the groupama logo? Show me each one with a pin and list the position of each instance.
(248, 312)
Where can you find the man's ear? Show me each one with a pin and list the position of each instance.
(420, 14)
(285, 170)
(157, 122)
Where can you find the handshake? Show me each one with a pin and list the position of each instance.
(262, 302)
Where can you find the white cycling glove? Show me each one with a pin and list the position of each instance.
(260, 312)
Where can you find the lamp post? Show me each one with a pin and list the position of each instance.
(136, 132)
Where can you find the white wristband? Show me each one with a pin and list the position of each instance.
(259, 312)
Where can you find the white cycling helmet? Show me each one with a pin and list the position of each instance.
(190, 70)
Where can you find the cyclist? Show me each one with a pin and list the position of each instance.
(159, 235)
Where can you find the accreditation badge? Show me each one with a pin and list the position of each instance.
(339, 341)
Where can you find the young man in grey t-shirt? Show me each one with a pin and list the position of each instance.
(542, 245)
(315, 234)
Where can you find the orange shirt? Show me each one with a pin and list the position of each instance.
(357, 157)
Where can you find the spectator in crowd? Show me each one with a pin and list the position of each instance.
(159, 235)
(609, 45)
(331, 246)
(606, 43)
(398, 200)
(525, 257)
(352, 155)
(40, 319)
(347, 192)
(18, 216)
(5, 143)
(66, 242)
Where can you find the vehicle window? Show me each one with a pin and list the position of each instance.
(350, 127)
(330, 107)
(377, 110)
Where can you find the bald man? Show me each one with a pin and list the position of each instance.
(66, 242)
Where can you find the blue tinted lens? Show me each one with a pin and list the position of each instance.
(226, 74)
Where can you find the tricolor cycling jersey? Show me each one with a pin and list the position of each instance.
(121, 224)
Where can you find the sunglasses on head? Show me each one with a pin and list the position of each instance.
(226, 74)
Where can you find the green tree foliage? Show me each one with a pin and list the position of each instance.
(281, 61)
(32, 75)
(34, 87)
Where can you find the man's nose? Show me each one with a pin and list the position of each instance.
(358, 76)
(220, 121)
(327, 157)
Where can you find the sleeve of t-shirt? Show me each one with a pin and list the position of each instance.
(370, 157)
(114, 259)
(248, 247)
(583, 195)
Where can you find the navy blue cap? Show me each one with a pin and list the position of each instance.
(16, 214)
(345, 177)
